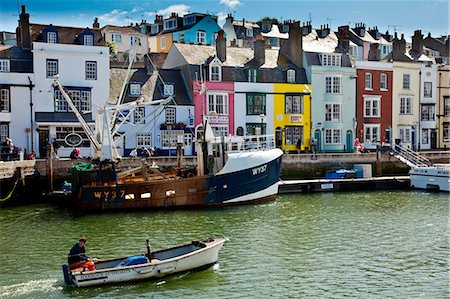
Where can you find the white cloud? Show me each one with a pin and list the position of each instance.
(180, 9)
(136, 9)
(221, 16)
(115, 17)
(231, 3)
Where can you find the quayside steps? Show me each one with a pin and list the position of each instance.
(409, 157)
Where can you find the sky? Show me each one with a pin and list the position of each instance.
(399, 15)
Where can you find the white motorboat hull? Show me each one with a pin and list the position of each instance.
(431, 178)
(196, 260)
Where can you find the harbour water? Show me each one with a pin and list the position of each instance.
(391, 244)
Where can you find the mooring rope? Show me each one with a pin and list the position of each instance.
(10, 193)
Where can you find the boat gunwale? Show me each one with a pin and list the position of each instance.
(216, 241)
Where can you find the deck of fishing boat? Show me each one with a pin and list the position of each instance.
(343, 185)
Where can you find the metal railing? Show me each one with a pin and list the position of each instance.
(409, 157)
(235, 144)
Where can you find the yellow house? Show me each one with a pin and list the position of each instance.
(292, 115)
(164, 42)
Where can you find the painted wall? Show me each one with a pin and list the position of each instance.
(201, 104)
(405, 120)
(347, 99)
(71, 66)
(443, 92)
(169, 41)
(385, 119)
(125, 46)
(207, 24)
(428, 73)
(19, 118)
(282, 119)
(240, 103)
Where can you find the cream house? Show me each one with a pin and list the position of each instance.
(123, 39)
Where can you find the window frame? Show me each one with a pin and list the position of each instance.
(405, 131)
(135, 89)
(88, 40)
(252, 75)
(81, 98)
(262, 106)
(331, 86)
(52, 37)
(385, 84)
(4, 133)
(139, 115)
(294, 133)
(90, 70)
(446, 106)
(368, 82)
(406, 83)
(116, 38)
(171, 115)
(292, 98)
(332, 112)
(163, 42)
(169, 89)
(214, 105)
(430, 89)
(427, 114)
(143, 139)
(4, 66)
(369, 107)
(335, 136)
(200, 37)
(215, 76)
(371, 128)
(5, 102)
(290, 76)
(48, 69)
(406, 105)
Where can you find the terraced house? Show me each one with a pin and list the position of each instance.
(80, 58)
(248, 91)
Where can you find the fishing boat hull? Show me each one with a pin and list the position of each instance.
(246, 178)
(197, 255)
(435, 177)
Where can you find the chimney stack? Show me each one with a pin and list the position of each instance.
(417, 41)
(259, 48)
(398, 48)
(360, 29)
(343, 38)
(374, 52)
(292, 48)
(375, 33)
(221, 46)
(173, 15)
(96, 23)
(307, 28)
(23, 30)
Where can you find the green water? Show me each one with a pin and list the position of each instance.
(329, 245)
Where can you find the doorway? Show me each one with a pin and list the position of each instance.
(43, 141)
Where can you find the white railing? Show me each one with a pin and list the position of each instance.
(409, 157)
(235, 144)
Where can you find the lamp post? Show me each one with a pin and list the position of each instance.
(262, 117)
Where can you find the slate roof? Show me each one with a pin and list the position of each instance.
(122, 29)
(20, 60)
(313, 43)
(151, 85)
(61, 117)
(235, 67)
(66, 35)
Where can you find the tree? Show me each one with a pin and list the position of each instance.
(112, 47)
(273, 20)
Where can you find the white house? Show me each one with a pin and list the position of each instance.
(81, 60)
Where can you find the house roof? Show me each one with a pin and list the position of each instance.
(66, 35)
(275, 32)
(313, 43)
(236, 57)
(312, 58)
(121, 29)
(21, 61)
(151, 85)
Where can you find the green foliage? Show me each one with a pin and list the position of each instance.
(273, 20)
(112, 47)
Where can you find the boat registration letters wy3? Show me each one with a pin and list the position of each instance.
(259, 170)
(106, 195)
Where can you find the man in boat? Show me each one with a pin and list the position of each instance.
(77, 256)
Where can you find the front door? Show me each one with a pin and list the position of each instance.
(278, 137)
(43, 140)
(318, 137)
(433, 139)
(349, 141)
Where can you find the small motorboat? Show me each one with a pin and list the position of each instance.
(197, 255)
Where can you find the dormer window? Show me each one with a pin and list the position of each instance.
(168, 89)
(252, 74)
(52, 37)
(88, 40)
(170, 24)
(4, 65)
(330, 59)
(249, 32)
(154, 29)
(215, 73)
(188, 20)
(290, 76)
(135, 89)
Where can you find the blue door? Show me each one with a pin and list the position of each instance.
(318, 137)
(349, 142)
